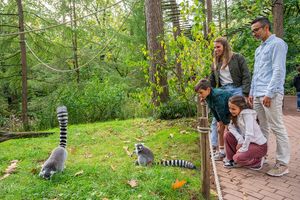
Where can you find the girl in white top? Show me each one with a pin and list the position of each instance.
(245, 144)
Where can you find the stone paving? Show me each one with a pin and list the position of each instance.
(246, 184)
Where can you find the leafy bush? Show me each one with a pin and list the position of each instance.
(177, 109)
(88, 102)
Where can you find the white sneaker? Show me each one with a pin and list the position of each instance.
(219, 156)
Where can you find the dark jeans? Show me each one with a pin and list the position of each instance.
(298, 100)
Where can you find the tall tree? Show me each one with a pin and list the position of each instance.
(209, 14)
(277, 10)
(219, 16)
(226, 17)
(176, 32)
(24, 65)
(74, 39)
(155, 32)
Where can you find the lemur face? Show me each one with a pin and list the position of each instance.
(46, 174)
(139, 147)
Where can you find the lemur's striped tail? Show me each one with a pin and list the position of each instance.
(177, 163)
(62, 116)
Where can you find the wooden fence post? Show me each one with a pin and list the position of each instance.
(203, 129)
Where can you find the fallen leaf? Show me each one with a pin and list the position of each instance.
(10, 169)
(138, 139)
(34, 171)
(72, 150)
(88, 155)
(133, 183)
(110, 154)
(178, 184)
(79, 173)
(127, 151)
(113, 168)
(245, 195)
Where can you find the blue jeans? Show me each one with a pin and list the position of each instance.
(213, 126)
(298, 100)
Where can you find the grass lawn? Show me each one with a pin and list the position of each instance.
(98, 166)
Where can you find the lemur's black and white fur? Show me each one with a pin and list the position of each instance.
(146, 157)
(56, 161)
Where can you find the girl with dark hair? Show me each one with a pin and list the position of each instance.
(245, 144)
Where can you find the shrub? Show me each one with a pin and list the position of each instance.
(177, 109)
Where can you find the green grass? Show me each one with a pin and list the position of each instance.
(96, 149)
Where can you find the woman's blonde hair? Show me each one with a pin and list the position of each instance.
(225, 58)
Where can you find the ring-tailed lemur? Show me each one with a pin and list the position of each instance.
(56, 161)
(146, 157)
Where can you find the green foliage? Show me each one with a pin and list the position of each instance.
(243, 42)
(88, 102)
(188, 59)
(176, 108)
(97, 151)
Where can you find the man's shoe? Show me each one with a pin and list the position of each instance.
(278, 170)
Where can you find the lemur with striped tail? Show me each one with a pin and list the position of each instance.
(56, 161)
(146, 157)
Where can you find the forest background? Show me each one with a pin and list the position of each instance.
(98, 65)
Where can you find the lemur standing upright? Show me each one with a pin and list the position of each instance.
(146, 157)
(56, 161)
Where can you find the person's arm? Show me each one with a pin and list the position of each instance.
(215, 114)
(278, 65)
(222, 107)
(249, 132)
(232, 129)
(212, 78)
(246, 77)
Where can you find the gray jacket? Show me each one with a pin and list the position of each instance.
(239, 73)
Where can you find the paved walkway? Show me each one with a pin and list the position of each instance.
(245, 184)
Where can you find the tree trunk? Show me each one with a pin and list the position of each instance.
(24, 66)
(226, 17)
(8, 135)
(176, 32)
(74, 40)
(209, 14)
(219, 16)
(157, 73)
(277, 10)
(204, 21)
